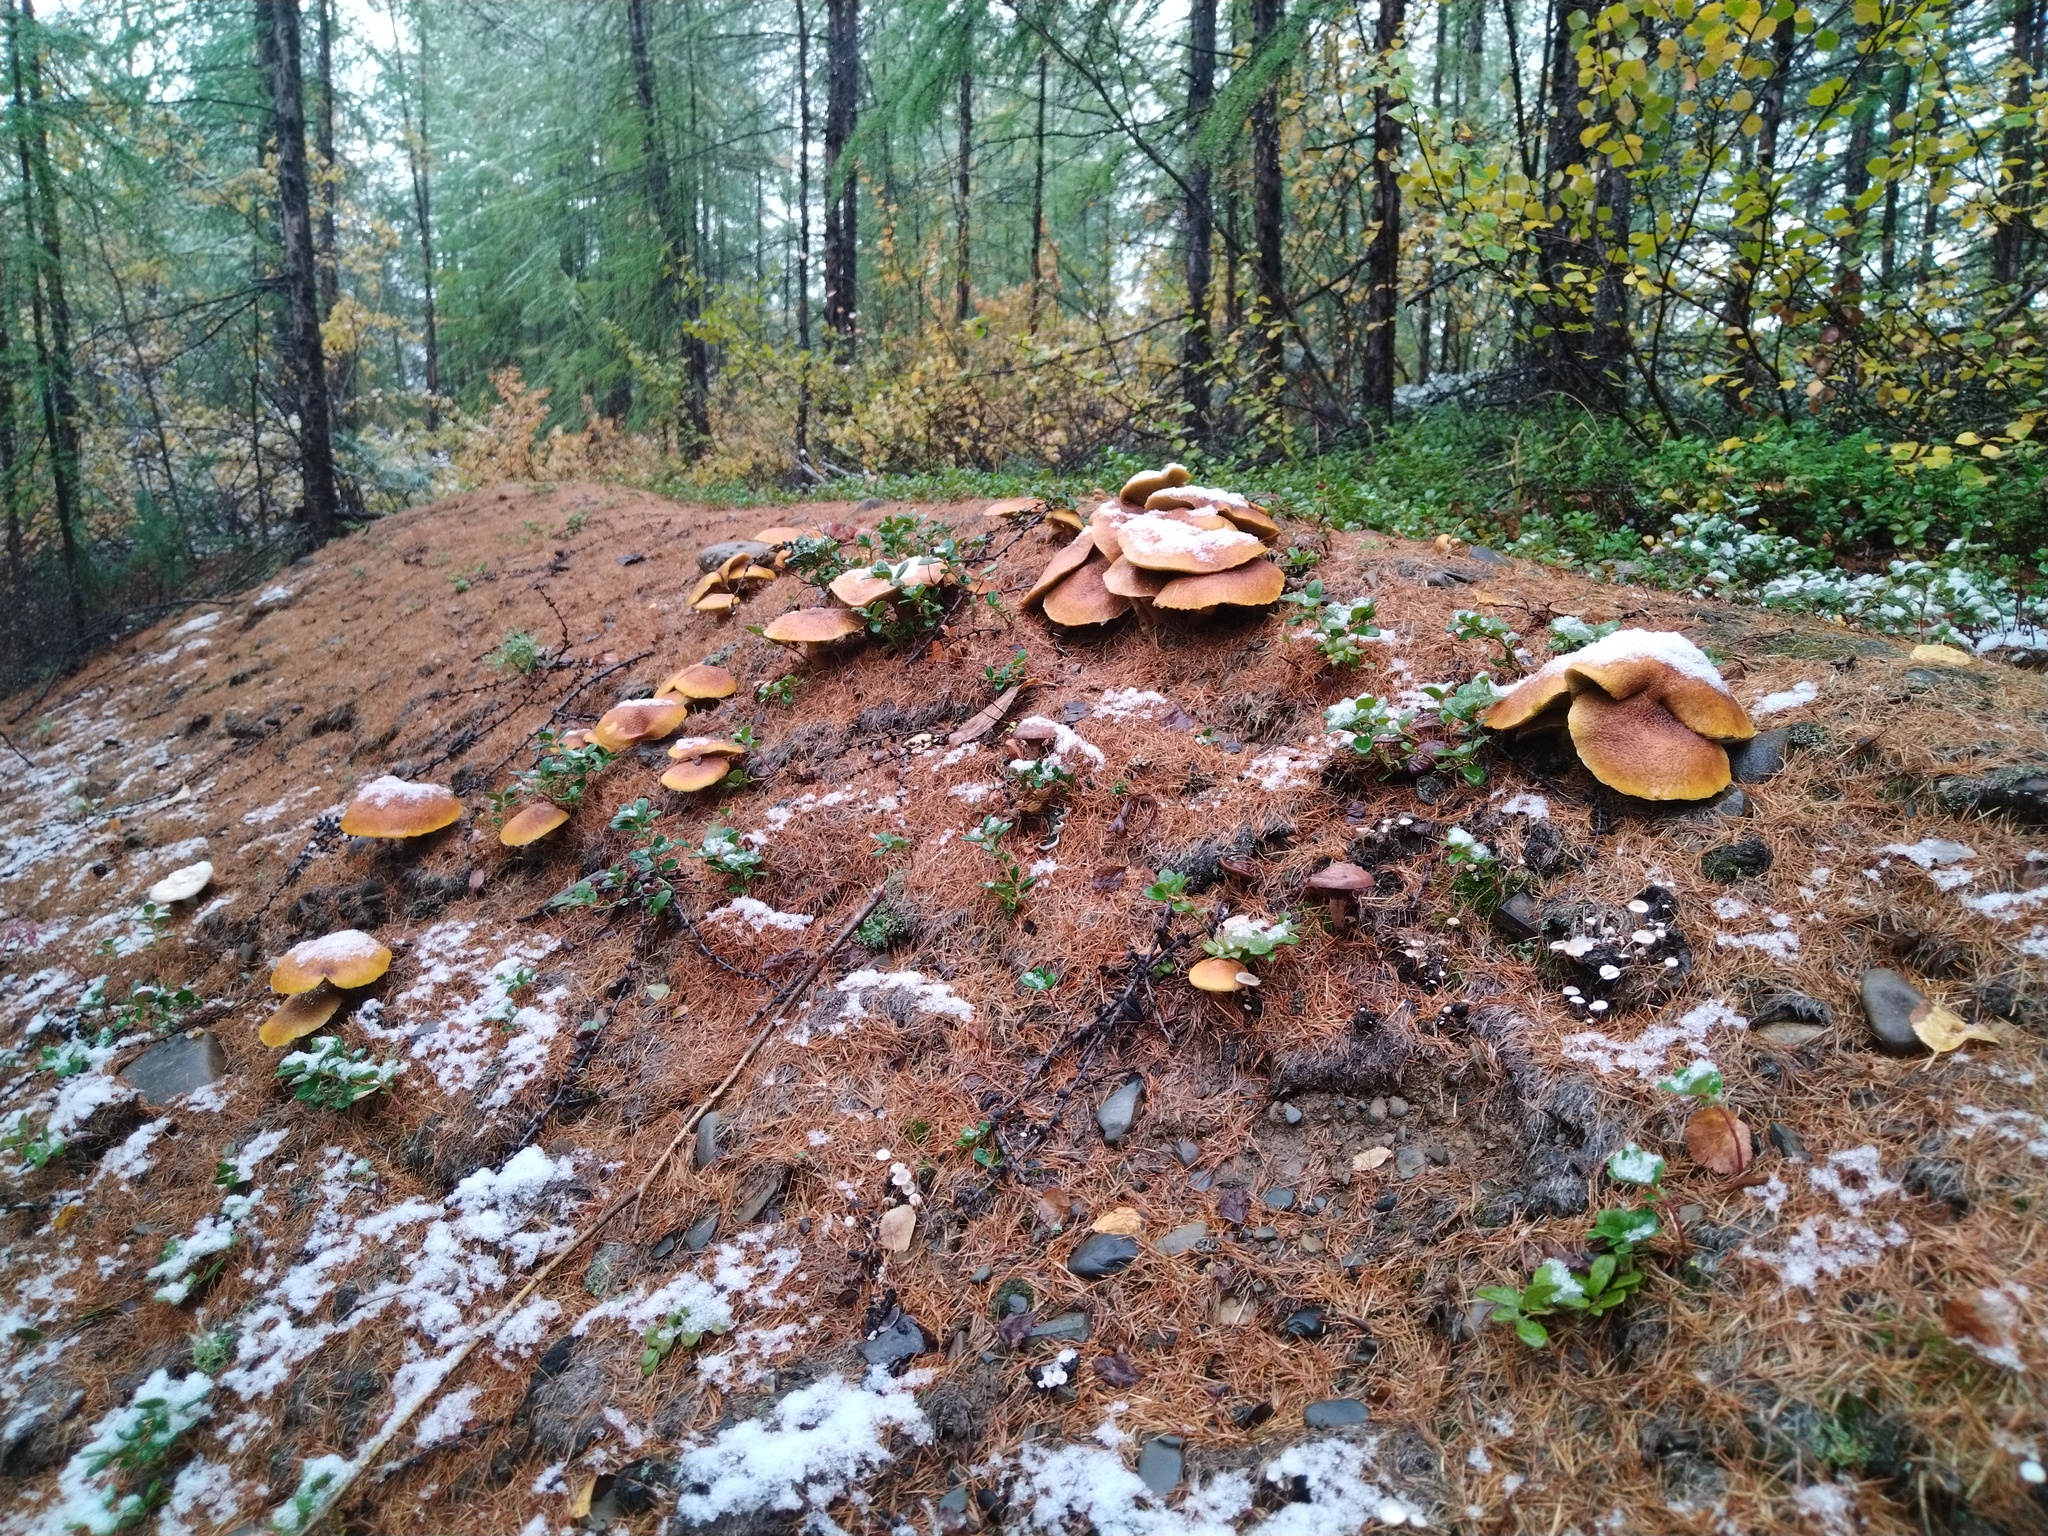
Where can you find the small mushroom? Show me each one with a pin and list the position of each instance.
(299, 1015)
(571, 740)
(1216, 974)
(182, 884)
(629, 723)
(757, 573)
(780, 535)
(1338, 885)
(704, 746)
(1082, 598)
(1157, 543)
(695, 773)
(1245, 586)
(1013, 506)
(701, 682)
(348, 958)
(1069, 560)
(707, 584)
(859, 587)
(1141, 485)
(812, 629)
(394, 807)
(1032, 736)
(717, 604)
(532, 824)
(1063, 517)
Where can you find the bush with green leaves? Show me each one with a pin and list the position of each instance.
(1010, 674)
(331, 1075)
(780, 690)
(1377, 731)
(1012, 884)
(1457, 714)
(518, 652)
(560, 775)
(1242, 938)
(31, 1140)
(645, 877)
(980, 1139)
(1571, 633)
(1475, 871)
(1040, 978)
(1339, 629)
(1603, 1285)
(1469, 624)
(114, 1480)
(723, 851)
(1171, 889)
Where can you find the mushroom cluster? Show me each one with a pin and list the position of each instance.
(1647, 713)
(719, 590)
(312, 978)
(1162, 544)
(701, 761)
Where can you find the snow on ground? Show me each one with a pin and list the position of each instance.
(899, 992)
(1648, 1054)
(1837, 1241)
(460, 1013)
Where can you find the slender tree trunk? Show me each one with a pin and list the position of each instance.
(1896, 88)
(330, 192)
(10, 462)
(1383, 261)
(1266, 203)
(803, 239)
(674, 241)
(419, 160)
(1233, 291)
(1425, 305)
(1855, 184)
(963, 292)
(1197, 351)
(1561, 328)
(1752, 372)
(1038, 198)
(307, 367)
(842, 181)
(2016, 172)
(51, 312)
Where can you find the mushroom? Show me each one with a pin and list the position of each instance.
(708, 583)
(717, 603)
(780, 535)
(1063, 517)
(1034, 735)
(1217, 974)
(1157, 543)
(695, 773)
(1013, 506)
(629, 723)
(859, 587)
(1338, 884)
(1070, 559)
(348, 957)
(704, 746)
(702, 681)
(1083, 599)
(571, 740)
(1141, 485)
(1648, 713)
(1228, 504)
(182, 884)
(812, 629)
(299, 1015)
(1243, 586)
(394, 807)
(1126, 580)
(532, 824)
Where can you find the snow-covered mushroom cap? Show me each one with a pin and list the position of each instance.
(636, 720)
(348, 958)
(704, 746)
(182, 884)
(532, 824)
(1157, 543)
(394, 807)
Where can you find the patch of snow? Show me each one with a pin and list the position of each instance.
(1284, 768)
(1535, 807)
(130, 1160)
(1067, 744)
(2004, 906)
(1123, 703)
(447, 1418)
(1802, 692)
(457, 1037)
(2015, 1126)
(974, 791)
(910, 991)
(1832, 1245)
(758, 915)
(204, 1497)
(1646, 1054)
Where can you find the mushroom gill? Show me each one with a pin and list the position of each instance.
(1637, 746)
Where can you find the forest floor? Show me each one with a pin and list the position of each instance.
(1319, 1174)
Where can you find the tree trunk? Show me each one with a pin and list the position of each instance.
(1425, 305)
(2016, 172)
(1197, 351)
(1751, 372)
(10, 459)
(1038, 197)
(842, 183)
(305, 364)
(674, 241)
(1266, 200)
(330, 192)
(52, 313)
(1561, 329)
(1383, 256)
(963, 293)
(1855, 184)
(419, 161)
(803, 237)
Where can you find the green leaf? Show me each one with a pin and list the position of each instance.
(1532, 1333)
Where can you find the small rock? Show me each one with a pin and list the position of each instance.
(1251, 1415)
(1440, 1155)
(1160, 1463)
(1888, 1002)
(1486, 556)
(1376, 1111)
(1233, 1207)
(632, 559)
(2020, 792)
(1752, 761)
(712, 556)
(1264, 1234)
(1074, 711)
(1386, 1202)
(1187, 1152)
(608, 1269)
(896, 1228)
(1120, 1109)
(1787, 1141)
(1102, 1255)
(1790, 1007)
(1518, 918)
(172, 1068)
(1398, 1108)
(1305, 1323)
(702, 1230)
(1334, 1413)
(1279, 1199)
(1733, 861)
(755, 1194)
(1291, 1113)
(1071, 1326)
(1183, 1239)
(955, 1501)
(1310, 1243)
(1409, 1161)
(983, 1275)
(1733, 804)
(705, 1152)
(894, 1341)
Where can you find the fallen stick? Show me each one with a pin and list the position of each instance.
(769, 1016)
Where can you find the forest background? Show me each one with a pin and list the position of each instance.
(1743, 295)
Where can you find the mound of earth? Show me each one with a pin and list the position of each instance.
(1004, 1225)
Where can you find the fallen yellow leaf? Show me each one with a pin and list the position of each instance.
(1123, 1221)
(1944, 655)
(1370, 1158)
(1943, 1030)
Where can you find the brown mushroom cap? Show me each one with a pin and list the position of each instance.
(695, 773)
(704, 746)
(1253, 522)
(1126, 580)
(1157, 543)
(532, 824)
(348, 958)
(1530, 697)
(636, 720)
(813, 626)
(576, 738)
(1338, 879)
(1215, 974)
(781, 535)
(1637, 746)
(1083, 599)
(1245, 586)
(1013, 506)
(701, 682)
(393, 807)
(1700, 704)
(299, 1015)
(858, 588)
(716, 602)
(1063, 517)
(757, 573)
(1070, 559)
(709, 582)
(1103, 524)
(1143, 484)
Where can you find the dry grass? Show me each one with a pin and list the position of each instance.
(1702, 1405)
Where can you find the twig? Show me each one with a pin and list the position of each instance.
(769, 1016)
(10, 746)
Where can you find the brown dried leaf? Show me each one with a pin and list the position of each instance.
(1122, 1221)
(1987, 1319)
(1116, 1371)
(1718, 1140)
(1136, 816)
(1108, 877)
(985, 720)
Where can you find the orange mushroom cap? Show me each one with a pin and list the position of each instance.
(532, 824)
(1158, 543)
(348, 958)
(1530, 697)
(394, 807)
(704, 746)
(636, 720)
(813, 626)
(299, 1015)
(716, 602)
(695, 773)
(1082, 598)
(1637, 746)
(702, 682)
(1126, 580)
(1215, 974)
(1070, 559)
(1244, 586)
(781, 535)
(857, 588)
(1143, 484)
(1013, 506)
